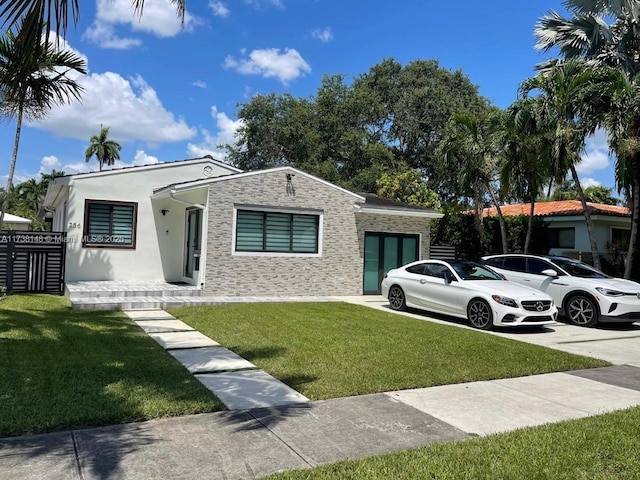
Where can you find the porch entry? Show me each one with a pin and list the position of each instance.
(193, 240)
(383, 252)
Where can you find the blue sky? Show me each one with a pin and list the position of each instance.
(170, 92)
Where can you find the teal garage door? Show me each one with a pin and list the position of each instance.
(384, 251)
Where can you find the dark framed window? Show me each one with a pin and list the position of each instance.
(620, 238)
(562, 237)
(417, 269)
(276, 232)
(110, 224)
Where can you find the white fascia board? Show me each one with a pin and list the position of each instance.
(399, 212)
(222, 178)
(54, 192)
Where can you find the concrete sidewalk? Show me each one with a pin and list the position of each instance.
(257, 442)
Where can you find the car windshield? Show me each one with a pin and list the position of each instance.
(474, 271)
(578, 269)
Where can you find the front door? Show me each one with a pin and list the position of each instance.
(193, 237)
(384, 251)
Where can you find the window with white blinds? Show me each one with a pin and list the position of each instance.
(276, 232)
(110, 224)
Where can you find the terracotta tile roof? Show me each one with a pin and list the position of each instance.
(553, 209)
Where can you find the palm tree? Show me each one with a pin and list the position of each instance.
(526, 166)
(605, 33)
(106, 151)
(562, 93)
(30, 86)
(36, 14)
(469, 147)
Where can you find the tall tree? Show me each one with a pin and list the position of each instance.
(105, 150)
(470, 150)
(604, 32)
(562, 93)
(31, 85)
(526, 167)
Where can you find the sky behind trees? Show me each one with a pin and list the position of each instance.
(170, 92)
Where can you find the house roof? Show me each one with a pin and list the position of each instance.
(376, 204)
(149, 166)
(9, 218)
(557, 209)
(221, 178)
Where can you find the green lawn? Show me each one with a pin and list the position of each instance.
(328, 350)
(63, 368)
(603, 448)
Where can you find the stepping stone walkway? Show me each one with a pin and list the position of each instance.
(238, 383)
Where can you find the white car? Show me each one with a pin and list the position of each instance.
(467, 290)
(586, 295)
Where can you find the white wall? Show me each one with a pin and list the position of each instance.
(602, 229)
(156, 233)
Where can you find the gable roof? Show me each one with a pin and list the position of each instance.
(232, 176)
(557, 209)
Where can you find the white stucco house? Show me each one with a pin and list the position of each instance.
(201, 222)
(568, 228)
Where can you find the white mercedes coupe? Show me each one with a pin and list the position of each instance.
(468, 290)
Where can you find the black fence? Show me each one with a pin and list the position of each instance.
(32, 261)
(442, 252)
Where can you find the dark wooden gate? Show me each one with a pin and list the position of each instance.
(32, 261)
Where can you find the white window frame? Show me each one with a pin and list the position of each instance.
(254, 208)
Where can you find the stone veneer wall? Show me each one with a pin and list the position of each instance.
(370, 222)
(337, 272)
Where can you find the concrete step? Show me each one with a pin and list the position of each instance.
(148, 303)
(130, 290)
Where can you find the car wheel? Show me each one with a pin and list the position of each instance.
(479, 314)
(582, 311)
(397, 300)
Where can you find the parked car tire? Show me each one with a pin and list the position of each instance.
(479, 314)
(582, 311)
(397, 300)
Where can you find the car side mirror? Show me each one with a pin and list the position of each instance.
(448, 278)
(549, 272)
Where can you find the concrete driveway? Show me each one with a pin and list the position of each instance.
(615, 343)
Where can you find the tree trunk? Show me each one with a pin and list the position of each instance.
(635, 196)
(12, 167)
(527, 240)
(503, 227)
(587, 216)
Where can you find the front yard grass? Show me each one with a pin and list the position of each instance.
(329, 350)
(603, 447)
(62, 368)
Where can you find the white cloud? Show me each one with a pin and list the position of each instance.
(219, 9)
(159, 18)
(258, 3)
(269, 62)
(131, 109)
(323, 34)
(210, 143)
(596, 156)
(49, 163)
(589, 182)
(142, 158)
(199, 84)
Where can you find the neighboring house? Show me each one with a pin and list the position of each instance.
(14, 222)
(271, 232)
(568, 227)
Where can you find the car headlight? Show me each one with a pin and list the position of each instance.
(509, 302)
(609, 293)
